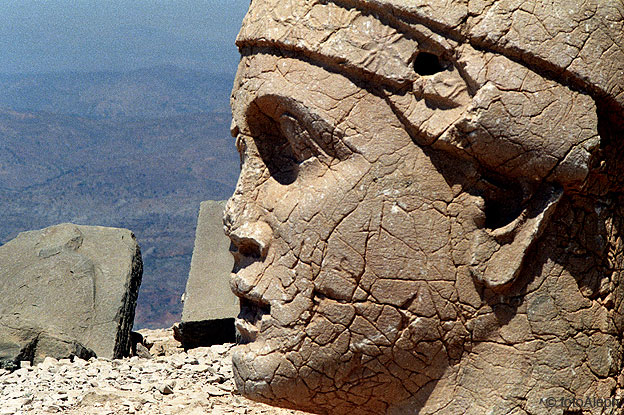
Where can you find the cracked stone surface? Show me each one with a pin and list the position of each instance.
(428, 213)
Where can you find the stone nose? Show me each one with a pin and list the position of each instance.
(242, 208)
(251, 239)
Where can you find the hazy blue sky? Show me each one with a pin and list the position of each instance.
(86, 35)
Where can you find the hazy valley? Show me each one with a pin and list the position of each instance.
(138, 150)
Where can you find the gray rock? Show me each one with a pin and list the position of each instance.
(143, 352)
(209, 304)
(66, 291)
(166, 388)
(215, 391)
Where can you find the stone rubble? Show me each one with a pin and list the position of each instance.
(172, 382)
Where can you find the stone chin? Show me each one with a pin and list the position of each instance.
(264, 374)
(261, 369)
(249, 380)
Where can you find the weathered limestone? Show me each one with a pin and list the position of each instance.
(429, 212)
(68, 290)
(209, 304)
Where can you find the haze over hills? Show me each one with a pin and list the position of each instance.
(157, 92)
(137, 149)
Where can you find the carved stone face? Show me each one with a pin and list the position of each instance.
(393, 182)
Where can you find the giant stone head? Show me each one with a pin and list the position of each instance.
(428, 213)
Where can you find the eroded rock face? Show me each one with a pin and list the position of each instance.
(428, 214)
(68, 290)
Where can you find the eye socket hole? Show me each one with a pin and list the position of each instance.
(273, 147)
(427, 64)
(278, 155)
(503, 201)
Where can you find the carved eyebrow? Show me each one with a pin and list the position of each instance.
(327, 138)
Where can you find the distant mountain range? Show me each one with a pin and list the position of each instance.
(162, 91)
(138, 150)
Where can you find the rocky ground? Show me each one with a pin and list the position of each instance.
(171, 382)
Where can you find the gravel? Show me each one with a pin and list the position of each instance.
(171, 382)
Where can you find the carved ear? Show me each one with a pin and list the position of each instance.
(498, 254)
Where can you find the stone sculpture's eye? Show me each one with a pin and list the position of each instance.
(276, 151)
(281, 161)
(283, 145)
(287, 134)
(274, 148)
(504, 201)
(427, 63)
(303, 145)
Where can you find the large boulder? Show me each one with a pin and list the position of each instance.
(68, 290)
(209, 304)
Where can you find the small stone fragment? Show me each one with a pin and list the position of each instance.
(166, 388)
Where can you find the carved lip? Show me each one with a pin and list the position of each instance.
(249, 320)
(249, 253)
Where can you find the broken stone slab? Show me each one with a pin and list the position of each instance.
(209, 304)
(68, 290)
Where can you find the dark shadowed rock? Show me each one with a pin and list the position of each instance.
(209, 304)
(205, 332)
(68, 290)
